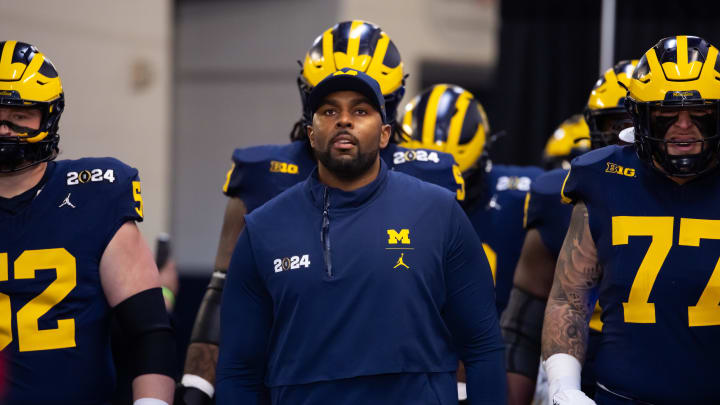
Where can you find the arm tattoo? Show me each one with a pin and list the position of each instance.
(565, 328)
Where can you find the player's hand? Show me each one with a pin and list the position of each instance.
(571, 397)
(190, 396)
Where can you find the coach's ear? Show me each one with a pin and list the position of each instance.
(311, 135)
(385, 132)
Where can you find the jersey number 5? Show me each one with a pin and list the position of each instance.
(30, 336)
(660, 229)
(460, 193)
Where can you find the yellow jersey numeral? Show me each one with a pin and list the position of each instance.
(637, 309)
(137, 197)
(460, 193)
(30, 336)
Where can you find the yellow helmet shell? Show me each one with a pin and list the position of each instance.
(607, 92)
(28, 78)
(359, 45)
(677, 69)
(571, 138)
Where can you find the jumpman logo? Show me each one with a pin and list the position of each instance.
(400, 262)
(67, 202)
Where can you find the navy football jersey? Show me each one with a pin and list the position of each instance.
(54, 317)
(658, 243)
(545, 211)
(498, 219)
(259, 173)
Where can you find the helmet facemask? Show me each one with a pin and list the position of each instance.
(605, 126)
(29, 80)
(653, 145)
(679, 74)
(31, 146)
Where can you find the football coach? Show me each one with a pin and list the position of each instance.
(359, 285)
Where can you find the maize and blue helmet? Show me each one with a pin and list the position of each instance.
(448, 118)
(570, 139)
(359, 45)
(678, 73)
(29, 79)
(605, 111)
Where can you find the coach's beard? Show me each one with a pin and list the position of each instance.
(347, 169)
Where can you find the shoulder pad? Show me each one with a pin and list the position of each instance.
(596, 156)
(396, 155)
(102, 172)
(585, 171)
(549, 183)
(262, 153)
(512, 179)
(428, 165)
(114, 187)
(261, 172)
(510, 170)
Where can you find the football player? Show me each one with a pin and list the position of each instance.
(570, 139)
(546, 221)
(649, 247)
(70, 256)
(448, 118)
(260, 173)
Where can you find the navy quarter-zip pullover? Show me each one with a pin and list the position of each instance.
(360, 297)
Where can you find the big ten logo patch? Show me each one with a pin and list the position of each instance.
(617, 169)
(282, 167)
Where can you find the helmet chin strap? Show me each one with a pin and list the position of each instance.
(16, 155)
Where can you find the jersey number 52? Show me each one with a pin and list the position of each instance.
(30, 336)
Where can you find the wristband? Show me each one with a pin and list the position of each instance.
(150, 401)
(563, 373)
(191, 380)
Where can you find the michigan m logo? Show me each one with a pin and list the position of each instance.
(394, 236)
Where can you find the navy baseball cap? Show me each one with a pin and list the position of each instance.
(347, 79)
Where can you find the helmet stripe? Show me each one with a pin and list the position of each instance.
(682, 52)
(340, 33)
(354, 37)
(428, 136)
(460, 107)
(328, 56)
(6, 69)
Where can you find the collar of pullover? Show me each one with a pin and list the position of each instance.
(339, 199)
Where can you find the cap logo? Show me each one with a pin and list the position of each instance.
(348, 72)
